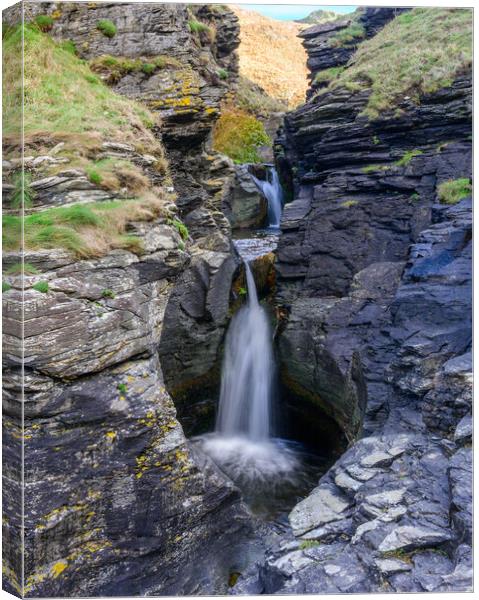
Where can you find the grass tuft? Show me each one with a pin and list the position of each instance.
(18, 269)
(108, 28)
(353, 33)
(349, 203)
(454, 190)
(328, 75)
(6, 286)
(197, 26)
(22, 195)
(407, 157)
(180, 227)
(44, 22)
(41, 286)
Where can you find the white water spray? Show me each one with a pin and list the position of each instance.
(272, 191)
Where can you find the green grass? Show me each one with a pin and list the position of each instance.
(197, 26)
(417, 53)
(113, 68)
(86, 230)
(93, 175)
(108, 294)
(6, 286)
(374, 168)
(454, 190)
(108, 28)
(44, 22)
(309, 544)
(223, 73)
(353, 33)
(63, 96)
(328, 75)
(239, 135)
(18, 269)
(415, 197)
(22, 194)
(180, 227)
(122, 387)
(407, 157)
(41, 286)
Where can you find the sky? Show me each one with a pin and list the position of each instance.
(289, 12)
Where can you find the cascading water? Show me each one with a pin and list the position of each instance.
(269, 470)
(246, 383)
(272, 191)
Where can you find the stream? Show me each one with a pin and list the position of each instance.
(273, 473)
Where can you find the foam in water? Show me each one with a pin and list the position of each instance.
(273, 193)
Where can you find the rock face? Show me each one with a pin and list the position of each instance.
(374, 279)
(245, 206)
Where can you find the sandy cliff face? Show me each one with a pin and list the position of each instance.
(271, 55)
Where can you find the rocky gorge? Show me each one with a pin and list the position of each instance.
(110, 371)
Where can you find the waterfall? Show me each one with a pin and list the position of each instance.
(273, 193)
(245, 400)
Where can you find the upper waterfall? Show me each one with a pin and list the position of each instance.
(272, 191)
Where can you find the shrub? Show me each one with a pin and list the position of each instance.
(6, 286)
(239, 135)
(108, 294)
(454, 190)
(108, 28)
(22, 195)
(44, 22)
(41, 286)
(407, 157)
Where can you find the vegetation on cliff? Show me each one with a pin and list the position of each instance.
(68, 106)
(239, 135)
(417, 53)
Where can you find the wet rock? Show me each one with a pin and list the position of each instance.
(245, 206)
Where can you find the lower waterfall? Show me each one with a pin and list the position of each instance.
(271, 472)
(247, 376)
